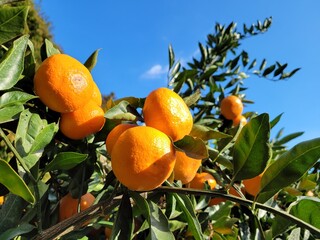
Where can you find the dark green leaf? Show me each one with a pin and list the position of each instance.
(280, 69)
(193, 147)
(12, 64)
(308, 211)
(203, 51)
(17, 231)
(251, 149)
(92, 60)
(193, 223)
(263, 64)
(275, 120)
(65, 161)
(171, 56)
(122, 226)
(293, 72)
(207, 133)
(268, 70)
(289, 167)
(288, 138)
(11, 180)
(214, 155)
(253, 64)
(12, 22)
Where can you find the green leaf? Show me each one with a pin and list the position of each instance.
(268, 70)
(17, 231)
(121, 112)
(216, 156)
(12, 22)
(207, 133)
(288, 138)
(275, 121)
(193, 147)
(263, 64)
(92, 60)
(65, 161)
(15, 98)
(308, 211)
(122, 226)
(193, 98)
(50, 49)
(289, 167)
(171, 56)
(158, 222)
(12, 64)
(32, 136)
(193, 223)
(11, 180)
(252, 149)
(280, 69)
(10, 113)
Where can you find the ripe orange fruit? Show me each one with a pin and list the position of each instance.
(166, 111)
(63, 83)
(198, 182)
(239, 119)
(68, 206)
(85, 121)
(1, 200)
(115, 134)
(185, 168)
(143, 158)
(216, 201)
(96, 95)
(231, 107)
(252, 185)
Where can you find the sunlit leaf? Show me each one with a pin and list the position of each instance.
(206, 133)
(15, 98)
(92, 60)
(11, 180)
(65, 161)
(171, 56)
(251, 149)
(275, 121)
(12, 22)
(193, 147)
(308, 211)
(50, 49)
(121, 111)
(12, 64)
(10, 113)
(289, 167)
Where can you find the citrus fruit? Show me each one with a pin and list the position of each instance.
(143, 158)
(198, 182)
(252, 185)
(1, 200)
(216, 201)
(185, 168)
(239, 119)
(63, 83)
(68, 206)
(107, 232)
(231, 107)
(115, 134)
(96, 95)
(166, 111)
(85, 121)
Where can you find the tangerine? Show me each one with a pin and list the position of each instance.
(166, 111)
(239, 119)
(96, 95)
(1, 200)
(231, 107)
(198, 182)
(115, 134)
(68, 206)
(185, 168)
(143, 158)
(85, 121)
(252, 185)
(63, 83)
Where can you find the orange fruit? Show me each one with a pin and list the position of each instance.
(239, 119)
(107, 232)
(216, 201)
(166, 111)
(1, 200)
(96, 95)
(252, 185)
(85, 121)
(198, 182)
(63, 83)
(231, 107)
(68, 206)
(143, 158)
(115, 134)
(185, 168)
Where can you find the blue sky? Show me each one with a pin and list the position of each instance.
(134, 37)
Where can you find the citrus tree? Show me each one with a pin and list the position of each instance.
(185, 162)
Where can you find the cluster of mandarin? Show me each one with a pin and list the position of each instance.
(66, 86)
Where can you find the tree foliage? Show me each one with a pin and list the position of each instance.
(39, 165)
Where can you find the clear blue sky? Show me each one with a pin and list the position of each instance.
(134, 38)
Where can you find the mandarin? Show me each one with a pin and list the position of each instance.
(185, 168)
(231, 107)
(63, 83)
(143, 158)
(166, 111)
(198, 182)
(239, 119)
